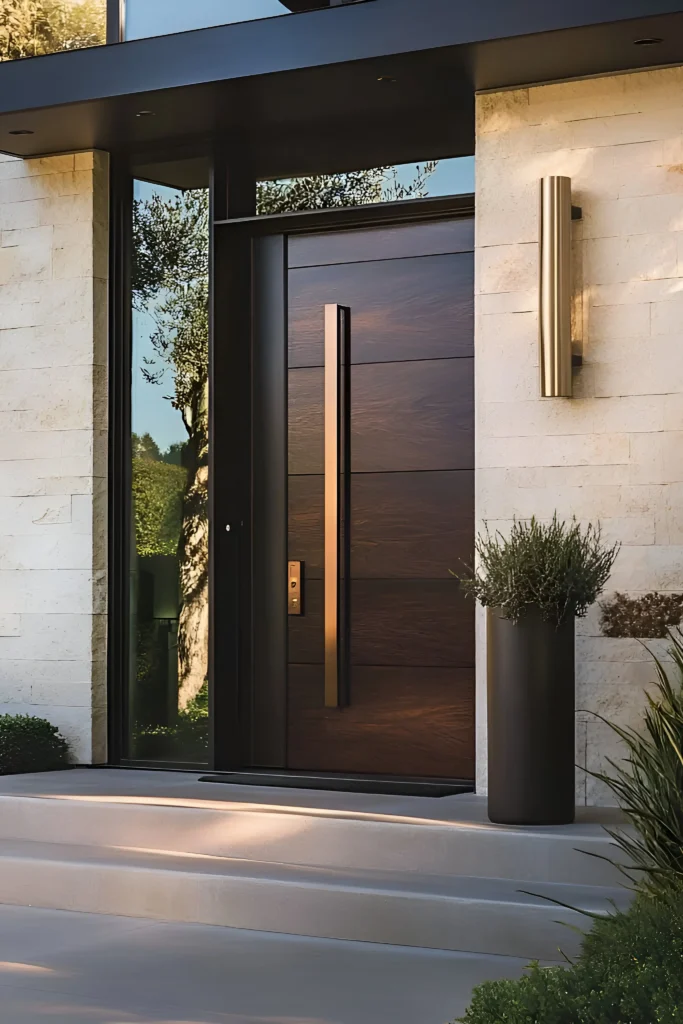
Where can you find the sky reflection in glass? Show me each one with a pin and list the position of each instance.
(162, 17)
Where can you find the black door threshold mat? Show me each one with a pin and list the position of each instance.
(345, 783)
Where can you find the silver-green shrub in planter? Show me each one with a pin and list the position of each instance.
(534, 584)
(29, 744)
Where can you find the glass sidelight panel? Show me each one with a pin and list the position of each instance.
(47, 26)
(162, 17)
(169, 612)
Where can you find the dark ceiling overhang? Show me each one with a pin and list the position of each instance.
(358, 83)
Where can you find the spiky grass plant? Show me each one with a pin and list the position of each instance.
(559, 568)
(648, 783)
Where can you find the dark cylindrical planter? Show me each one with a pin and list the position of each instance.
(530, 721)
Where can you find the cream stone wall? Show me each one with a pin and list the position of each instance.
(53, 450)
(614, 452)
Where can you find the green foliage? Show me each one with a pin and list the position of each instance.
(29, 28)
(349, 188)
(630, 971)
(29, 744)
(186, 740)
(158, 490)
(650, 616)
(648, 785)
(556, 567)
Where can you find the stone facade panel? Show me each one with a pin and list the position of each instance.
(614, 452)
(53, 401)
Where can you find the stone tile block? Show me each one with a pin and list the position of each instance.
(563, 450)
(72, 261)
(621, 378)
(68, 694)
(28, 673)
(582, 99)
(627, 292)
(657, 458)
(506, 268)
(667, 315)
(84, 161)
(38, 236)
(56, 637)
(502, 112)
(68, 591)
(46, 186)
(624, 217)
(626, 530)
(555, 477)
(10, 625)
(640, 257)
(46, 346)
(628, 414)
(606, 323)
(34, 515)
(669, 522)
(529, 418)
(649, 568)
(61, 551)
(506, 302)
(48, 165)
(622, 129)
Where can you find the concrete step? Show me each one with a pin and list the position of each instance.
(475, 915)
(247, 826)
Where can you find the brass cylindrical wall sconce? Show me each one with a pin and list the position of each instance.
(555, 309)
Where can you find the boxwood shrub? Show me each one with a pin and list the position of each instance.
(29, 744)
(630, 971)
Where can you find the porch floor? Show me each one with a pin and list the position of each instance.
(184, 789)
(58, 967)
(135, 897)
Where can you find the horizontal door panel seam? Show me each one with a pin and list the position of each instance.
(389, 362)
(393, 472)
(384, 259)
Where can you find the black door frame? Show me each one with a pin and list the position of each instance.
(248, 443)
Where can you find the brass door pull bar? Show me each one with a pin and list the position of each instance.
(337, 502)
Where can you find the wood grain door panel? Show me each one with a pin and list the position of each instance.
(408, 416)
(421, 623)
(411, 708)
(400, 721)
(400, 309)
(410, 525)
(403, 525)
(366, 244)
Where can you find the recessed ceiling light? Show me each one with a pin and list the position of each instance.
(145, 113)
(21, 131)
(648, 41)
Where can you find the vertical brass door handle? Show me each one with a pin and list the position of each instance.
(337, 502)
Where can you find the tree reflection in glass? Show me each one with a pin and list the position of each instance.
(170, 480)
(29, 28)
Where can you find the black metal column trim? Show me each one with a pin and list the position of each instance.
(233, 193)
(119, 483)
(116, 21)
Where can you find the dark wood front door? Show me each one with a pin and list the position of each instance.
(409, 704)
